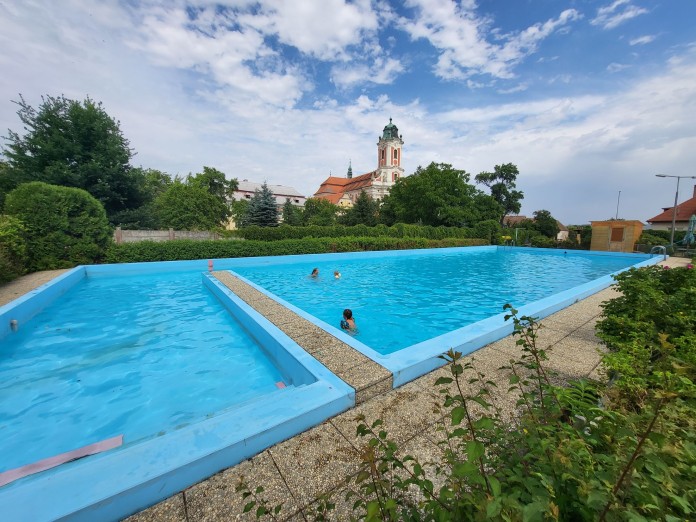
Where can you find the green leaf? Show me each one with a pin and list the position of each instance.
(457, 415)
(474, 450)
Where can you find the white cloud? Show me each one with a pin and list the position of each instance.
(460, 35)
(381, 71)
(642, 40)
(617, 67)
(616, 13)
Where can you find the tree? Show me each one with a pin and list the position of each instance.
(13, 248)
(189, 207)
(292, 214)
(73, 144)
(365, 211)
(214, 182)
(502, 184)
(262, 210)
(64, 226)
(545, 223)
(438, 195)
(319, 211)
(152, 183)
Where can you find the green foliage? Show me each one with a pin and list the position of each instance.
(262, 210)
(438, 195)
(188, 249)
(214, 182)
(152, 183)
(488, 230)
(185, 206)
(319, 212)
(651, 323)
(73, 144)
(64, 226)
(545, 223)
(399, 230)
(292, 214)
(365, 211)
(13, 251)
(502, 184)
(571, 454)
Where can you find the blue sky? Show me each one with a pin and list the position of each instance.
(586, 97)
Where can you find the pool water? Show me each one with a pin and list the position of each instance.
(136, 355)
(399, 301)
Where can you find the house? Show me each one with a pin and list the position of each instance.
(514, 222)
(663, 221)
(377, 183)
(246, 190)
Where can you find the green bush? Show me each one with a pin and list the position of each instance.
(188, 249)
(400, 230)
(489, 230)
(653, 320)
(64, 226)
(12, 248)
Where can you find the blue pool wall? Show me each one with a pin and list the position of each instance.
(117, 483)
(417, 360)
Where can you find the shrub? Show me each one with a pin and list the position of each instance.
(489, 230)
(12, 248)
(64, 226)
(653, 320)
(187, 249)
(398, 230)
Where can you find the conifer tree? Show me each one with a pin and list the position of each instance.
(262, 210)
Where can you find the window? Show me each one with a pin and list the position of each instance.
(248, 196)
(297, 201)
(617, 234)
(396, 154)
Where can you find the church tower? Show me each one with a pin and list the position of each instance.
(389, 167)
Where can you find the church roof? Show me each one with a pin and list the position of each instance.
(339, 186)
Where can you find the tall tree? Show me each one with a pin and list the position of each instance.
(189, 207)
(502, 184)
(215, 182)
(262, 210)
(545, 223)
(365, 211)
(73, 144)
(438, 195)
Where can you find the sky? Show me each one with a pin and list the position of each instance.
(589, 98)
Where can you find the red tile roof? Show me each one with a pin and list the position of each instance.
(334, 188)
(684, 212)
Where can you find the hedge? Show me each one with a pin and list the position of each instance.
(399, 230)
(184, 249)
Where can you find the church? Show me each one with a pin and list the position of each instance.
(377, 184)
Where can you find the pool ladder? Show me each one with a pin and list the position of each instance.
(659, 249)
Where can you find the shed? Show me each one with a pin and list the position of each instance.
(615, 235)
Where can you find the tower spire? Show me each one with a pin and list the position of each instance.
(349, 175)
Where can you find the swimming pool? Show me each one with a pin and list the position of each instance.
(411, 306)
(160, 353)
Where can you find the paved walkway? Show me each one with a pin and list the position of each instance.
(297, 471)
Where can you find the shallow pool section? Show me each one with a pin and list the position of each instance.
(411, 306)
(160, 353)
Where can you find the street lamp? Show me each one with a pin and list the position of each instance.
(676, 196)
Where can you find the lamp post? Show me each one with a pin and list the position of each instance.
(676, 196)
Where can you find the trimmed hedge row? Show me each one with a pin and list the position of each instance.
(184, 249)
(401, 230)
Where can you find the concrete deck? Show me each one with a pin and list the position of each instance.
(299, 470)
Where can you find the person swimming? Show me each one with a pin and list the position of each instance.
(337, 274)
(315, 273)
(348, 323)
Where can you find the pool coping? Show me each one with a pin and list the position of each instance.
(115, 484)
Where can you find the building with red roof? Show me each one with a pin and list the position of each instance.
(663, 221)
(377, 184)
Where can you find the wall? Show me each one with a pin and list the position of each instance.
(134, 236)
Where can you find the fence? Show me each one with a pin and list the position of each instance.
(134, 236)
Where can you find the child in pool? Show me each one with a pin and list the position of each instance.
(337, 274)
(348, 323)
(315, 273)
